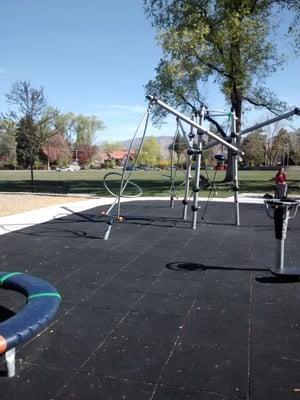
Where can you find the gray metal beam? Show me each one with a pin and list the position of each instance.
(295, 111)
(201, 129)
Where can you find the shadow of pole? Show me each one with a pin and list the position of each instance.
(187, 266)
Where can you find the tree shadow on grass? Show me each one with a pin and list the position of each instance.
(150, 187)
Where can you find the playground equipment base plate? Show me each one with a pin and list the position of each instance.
(288, 272)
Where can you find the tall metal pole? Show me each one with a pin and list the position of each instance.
(190, 152)
(235, 160)
(197, 171)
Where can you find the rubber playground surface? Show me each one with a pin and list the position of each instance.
(159, 311)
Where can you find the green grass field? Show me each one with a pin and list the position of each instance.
(153, 182)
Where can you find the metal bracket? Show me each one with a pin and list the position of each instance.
(10, 362)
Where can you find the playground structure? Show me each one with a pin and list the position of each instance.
(42, 304)
(195, 148)
(198, 149)
(204, 181)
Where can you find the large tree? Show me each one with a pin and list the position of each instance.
(57, 150)
(151, 152)
(65, 124)
(79, 129)
(86, 128)
(282, 148)
(109, 146)
(226, 42)
(253, 147)
(179, 147)
(7, 141)
(33, 118)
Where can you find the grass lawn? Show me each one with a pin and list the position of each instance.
(153, 182)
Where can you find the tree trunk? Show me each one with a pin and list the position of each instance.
(236, 103)
(31, 173)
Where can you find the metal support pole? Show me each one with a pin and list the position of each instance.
(235, 170)
(280, 243)
(187, 187)
(282, 212)
(197, 172)
(107, 232)
(124, 182)
(279, 263)
(173, 168)
(190, 153)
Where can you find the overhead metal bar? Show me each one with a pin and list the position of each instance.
(295, 111)
(181, 116)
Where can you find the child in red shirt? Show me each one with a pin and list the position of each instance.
(281, 185)
(280, 176)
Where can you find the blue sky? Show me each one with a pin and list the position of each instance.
(94, 57)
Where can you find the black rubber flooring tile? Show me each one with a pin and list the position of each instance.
(276, 329)
(165, 392)
(74, 291)
(73, 339)
(109, 298)
(211, 331)
(176, 287)
(274, 378)
(164, 305)
(18, 263)
(44, 233)
(139, 284)
(146, 237)
(227, 283)
(89, 321)
(90, 278)
(113, 258)
(183, 272)
(142, 267)
(129, 359)
(151, 327)
(274, 294)
(54, 273)
(33, 384)
(206, 368)
(91, 387)
(231, 252)
(223, 310)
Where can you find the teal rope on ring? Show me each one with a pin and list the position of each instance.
(9, 275)
(44, 294)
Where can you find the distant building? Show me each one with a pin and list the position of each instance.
(120, 156)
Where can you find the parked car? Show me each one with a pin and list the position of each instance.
(64, 169)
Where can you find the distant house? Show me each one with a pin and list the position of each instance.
(56, 149)
(101, 157)
(120, 156)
